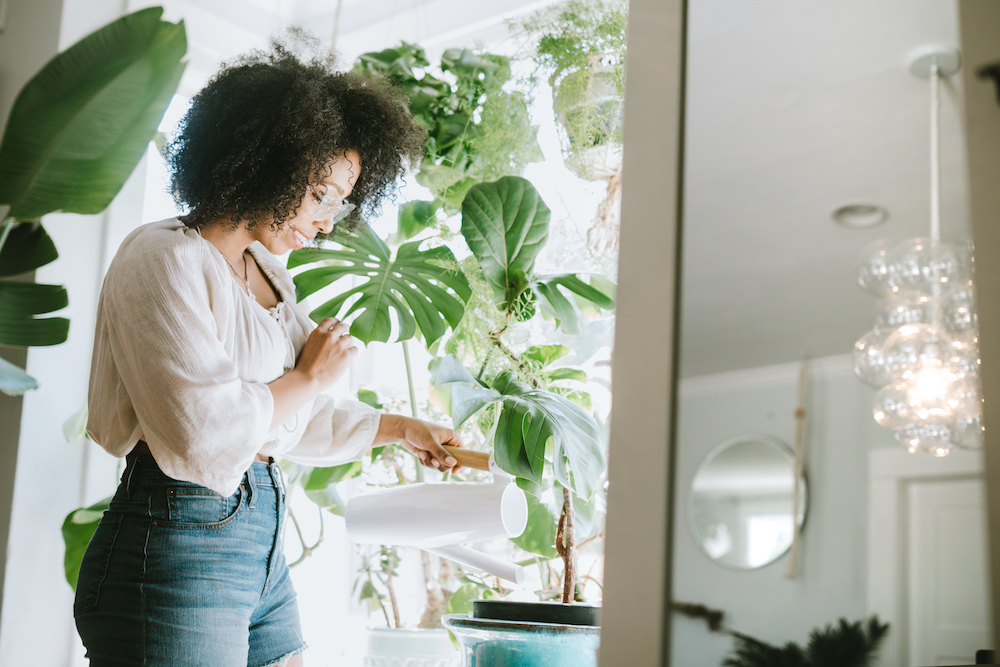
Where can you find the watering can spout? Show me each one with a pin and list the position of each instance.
(480, 561)
(440, 517)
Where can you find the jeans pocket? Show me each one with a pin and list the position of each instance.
(198, 508)
(94, 567)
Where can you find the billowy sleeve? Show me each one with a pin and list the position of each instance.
(202, 422)
(337, 432)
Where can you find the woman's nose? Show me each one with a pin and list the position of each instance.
(324, 226)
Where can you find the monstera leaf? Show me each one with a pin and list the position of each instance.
(567, 316)
(529, 419)
(79, 127)
(505, 223)
(424, 287)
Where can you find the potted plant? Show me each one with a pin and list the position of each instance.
(534, 414)
(580, 49)
(76, 132)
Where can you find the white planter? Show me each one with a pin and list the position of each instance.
(405, 647)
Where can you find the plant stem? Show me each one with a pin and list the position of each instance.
(378, 599)
(413, 400)
(388, 584)
(306, 549)
(565, 547)
(516, 359)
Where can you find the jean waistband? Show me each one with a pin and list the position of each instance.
(142, 465)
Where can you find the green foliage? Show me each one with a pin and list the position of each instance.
(530, 420)
(478, 126)
(77, 530)
(844, 645)
(539, 536)
(568, 315)
(74, 135)
(424, 287)
(506, 224)
(79, 127)
(414, 217)
(28, 247)
(581, 49)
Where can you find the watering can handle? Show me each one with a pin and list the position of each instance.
(468, 458)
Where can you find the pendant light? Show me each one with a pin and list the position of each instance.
(922, 355)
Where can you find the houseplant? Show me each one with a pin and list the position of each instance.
(579, 47)
(75, 133)
(533, 413)
(844, 645)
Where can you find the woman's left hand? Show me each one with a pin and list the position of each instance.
(422, 439)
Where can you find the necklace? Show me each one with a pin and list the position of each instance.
(246, 274)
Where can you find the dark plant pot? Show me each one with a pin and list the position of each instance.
(527, 634)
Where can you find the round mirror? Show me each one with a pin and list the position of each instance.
(742, 502)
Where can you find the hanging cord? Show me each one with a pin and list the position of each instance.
(336, 27)
(935, 76)
(800, 446)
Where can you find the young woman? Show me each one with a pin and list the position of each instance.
(205, 370)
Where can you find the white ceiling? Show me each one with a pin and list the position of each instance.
(793, 108)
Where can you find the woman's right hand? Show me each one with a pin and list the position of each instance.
(327, 354)
(324, 358)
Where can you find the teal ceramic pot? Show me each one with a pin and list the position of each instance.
(495, 643)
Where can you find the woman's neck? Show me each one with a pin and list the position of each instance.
(231, 241)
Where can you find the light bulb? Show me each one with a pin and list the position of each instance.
(917, 264)
(933, 439)
(965, 397)
(873, 269)
(908, 307)
(964, 356)
(891, 407)
(930, 395)
(914, 347)
(958, 309)
(867, 357)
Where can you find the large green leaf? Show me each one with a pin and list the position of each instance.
(425, 287)
(79, 127)
(27, 248)
(505, 223)
(20, 302)
(77, 530)
(529, 418)
(539, 536)
(567, 317)
(415, 217)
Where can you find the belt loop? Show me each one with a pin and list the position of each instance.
(277, 474)
(252, 483)
(130, 466)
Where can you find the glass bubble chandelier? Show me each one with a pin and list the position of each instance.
(922, 355)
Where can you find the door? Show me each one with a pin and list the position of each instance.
(948, 609)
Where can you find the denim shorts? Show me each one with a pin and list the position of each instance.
(178, 575)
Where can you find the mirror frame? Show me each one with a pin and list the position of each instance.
(800, 520)
(643, 423)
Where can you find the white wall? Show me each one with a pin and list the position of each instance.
(831, 580)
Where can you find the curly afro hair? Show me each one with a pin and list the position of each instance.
(266, 127)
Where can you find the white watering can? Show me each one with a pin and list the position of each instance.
(441, 517)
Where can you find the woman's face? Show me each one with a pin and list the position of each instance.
(302, 228)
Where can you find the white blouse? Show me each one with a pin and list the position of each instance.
(182, 358)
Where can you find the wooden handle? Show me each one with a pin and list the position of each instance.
(468, 458)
